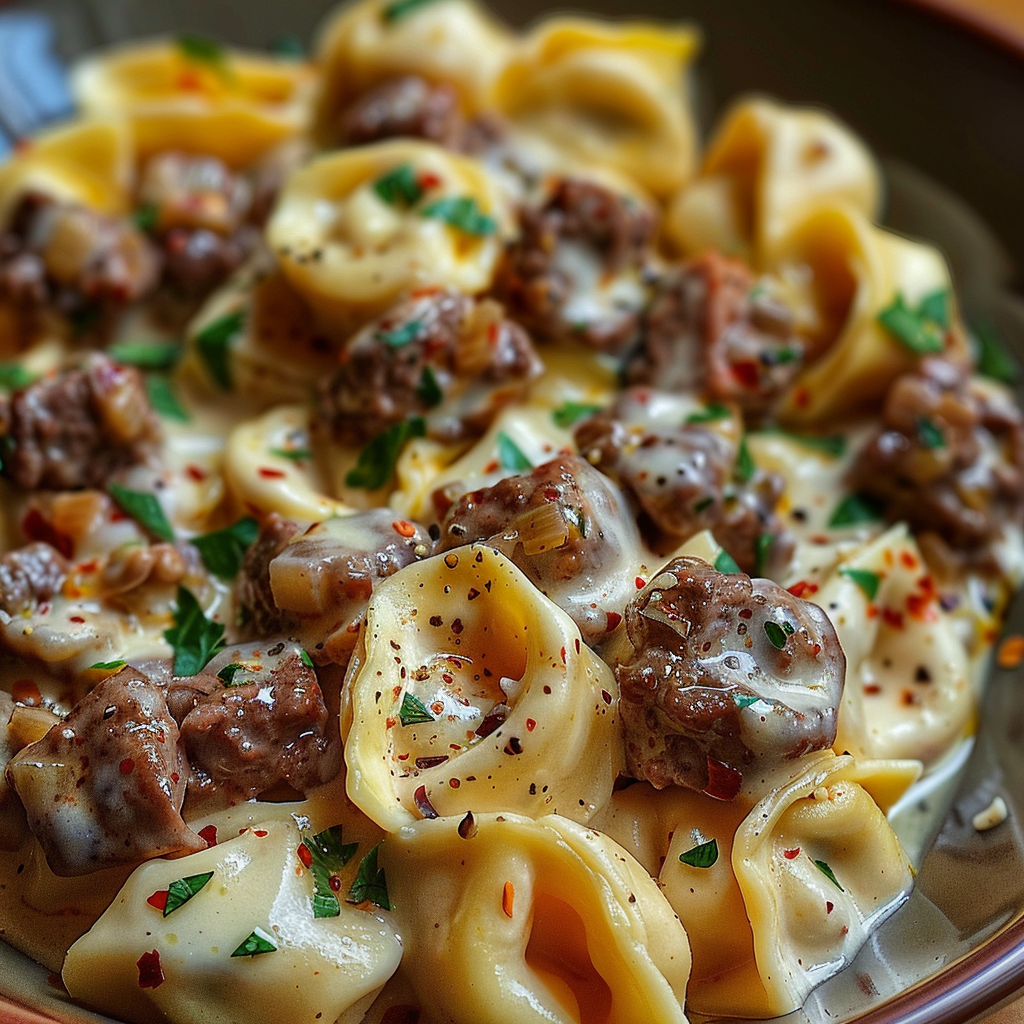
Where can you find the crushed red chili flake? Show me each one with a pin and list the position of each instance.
(208, 833)
(908, 559)
(614, 618)
(530, 725)
(334, 883)
(431, 762)
(508, 895)
(423, 804)
(454, 783)
(304, 855)
(724, 781)
(606, 697)
(1011, 652)
(195, 473)
(270, 474)
(892, 618)
(563, 655)
(403, 528)
(829, 906)
(158, 900)
(127, 766)
(640, 584)
(151, 973)
(792, 853)
(800, 589)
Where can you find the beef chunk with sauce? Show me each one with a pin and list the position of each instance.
(29, 576)
(948, 458)
(75, 429)
(442, 355)
(408, 106)
(261, 723)
(729, 677)
(568, 528)
(105, 786)
(314, 583)
(65, 257)
(578, 268)
(688, 476)
(710, 329)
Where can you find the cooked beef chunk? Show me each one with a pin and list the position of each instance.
(252, 585)
(105, 786)
(408, 106)
(29, 576)
(729, 676)
(442, 355)
(710, 329)
(948, 458)
(577, 268)
(76, 428)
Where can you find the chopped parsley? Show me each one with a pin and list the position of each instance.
(922, 330)
(745, 467)
(257, 942)
(398, 9)
(778, 633)
(147, 355)
(325, 856)
(413, 711)
(146, 217)
(401, 336)
(510, 455)
(854, 510)
(14, 377)
(164, 401)
(726, 563)
(144, 509)
(370, 883)
(223, 551)
(991, 357)
(929, 433)
(703, 855)
(828, 873)
(710, 414)
(200, 50)
(180, 891)
(400, 186)
(461, 212)
(428, 391)
(376, 463)
(744, 700)
(762, 549)
(214, 344)
(227, 674)
(109, 666)
(193, 637)
(865, 579)
(292, 454)
(569, 413)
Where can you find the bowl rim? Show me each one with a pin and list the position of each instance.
(984, 23)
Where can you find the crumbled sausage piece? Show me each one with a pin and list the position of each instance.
(442, 355)
(73, 430)
(710, 329)
(29, 576)
(729, 675)
(408, 106)
(252, 586)
(105, 786)
(577, 267)
(948, 458)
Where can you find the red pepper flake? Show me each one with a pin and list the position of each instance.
(423, 804)
(871, 689)
(920, 606)
(389, 723)
(792, 853)
(508, 895)
(194, 472)
(606, 697)
(802, 589)
(908, 559)
(746, 372)
(802, 398)
(614, 618)
(25, 691)
(640, 584)
(209, 835)
(305, 855)
(335, 883)
(189, 81)
(1011, 652)
(424, 763)
(127, 766)
(892, 618)
(403, 528)
(76, 618)
(563, 655)
(724, 781)
(457, 626)
(159, 900)
(473, 594)
(270, 474)
(829, 906)
(514, 746)
(151, 974)
(427, 180)
(260, 833)
(454, 783)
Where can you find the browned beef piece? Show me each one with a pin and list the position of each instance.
(266, 724)
(442, 355)
(76, 428)
(538, 282)
(567, 527)
(729, 676)
(73, 260)
(688, 477)
(948, 458)
(710, 329)
(29, 576)
(408, 106)
(105, 786)
(252, 585)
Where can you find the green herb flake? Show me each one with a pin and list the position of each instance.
(413, 711)
(745, 467)
(109, 666)
(399, 9)
(428, 391)
(703, 504)
(14, 377)
(991, 357)
(227, 674)
(193, 637)
(401, 336)
(917, 329)
(462, 213)
(305, 658)
(703, 855)
(292, 454)
(258, 942)
(164, 401)
(147, 355)
(762, 549)
(223, 551)
(201, 50)
(854, 510)
(865, 579)
(828, 873)
(180, 891)
(144, 509)
(146, 217)
(929, 433)
(710, 414)
(370, 883)
(744, 700)
(569, 413)
(214, 344)
(935, 307)
(376, 463)
(327, 855)
(778, 633)
(787, 354)
(400, 186)
(726, 563)
(510, 455)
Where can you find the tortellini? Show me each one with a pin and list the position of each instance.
(355, 229)
(553, 923)
(470, 690)
(606, 93)
(243, 945)
(767, 168)
(194, 95)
